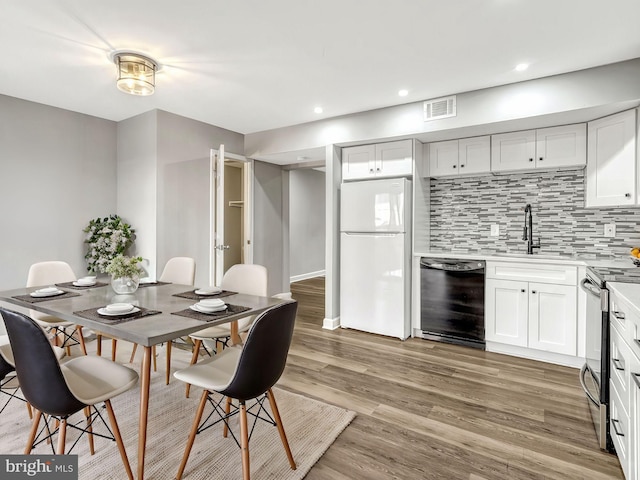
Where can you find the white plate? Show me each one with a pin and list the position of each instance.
(209, 303)
(103, 311)
(118, 308)
(46, 292)
(208, 291)
(78, 283)
(213, 310)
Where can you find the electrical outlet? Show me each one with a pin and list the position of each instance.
(610, 230)
(495, 230)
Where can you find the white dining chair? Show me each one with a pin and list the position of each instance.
(51, 273)
(246, 278)
(181, 270)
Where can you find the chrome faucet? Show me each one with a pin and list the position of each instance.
(527, 234)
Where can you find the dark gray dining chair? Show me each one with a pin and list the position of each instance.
(59, 390)
(245, 374)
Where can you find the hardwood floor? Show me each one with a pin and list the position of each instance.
(428, 410)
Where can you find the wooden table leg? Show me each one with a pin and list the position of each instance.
(144, 409)
(235, 337)
(168, 372)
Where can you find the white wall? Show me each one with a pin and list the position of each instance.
(306, 223)
(58, 171)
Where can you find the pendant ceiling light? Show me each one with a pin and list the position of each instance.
(136, 73)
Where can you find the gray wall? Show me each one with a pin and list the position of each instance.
(58, 171)
(462, 210)
(271, 224)
(163, 185)
(306, 222)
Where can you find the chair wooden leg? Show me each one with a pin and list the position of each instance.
(62, 436)
(34, 430)
(118, 437)
(114, 346)
(283, 436)
(99, 344)
(81, 339)
(56, 340)
(167, 374)
(133, 353)
(244, 441)
(30, 410)
(194, 358)
(87, 414)
(192, 435)
(227, 409)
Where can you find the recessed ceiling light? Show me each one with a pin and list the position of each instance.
(403, 92)
(318, 110)
(521, 67)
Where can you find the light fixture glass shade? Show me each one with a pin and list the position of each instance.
(136, 73)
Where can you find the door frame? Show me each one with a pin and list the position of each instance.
(216, 210)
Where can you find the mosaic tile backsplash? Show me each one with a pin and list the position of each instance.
(463, 210)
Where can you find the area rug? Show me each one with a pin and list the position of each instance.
(311, 427)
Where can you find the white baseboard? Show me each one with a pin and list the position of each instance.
(532, 354)
(331, 323)
(305, 276)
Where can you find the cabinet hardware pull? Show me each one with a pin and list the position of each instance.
(454, 166)
(615, 422)
(635, 378)
(637, 341)
(618, 364)
(378, 169)
(371, 170)
(462, 166)
(531, 159)
(627, 195)
(523, 290)
(618, 315)
(533, 291)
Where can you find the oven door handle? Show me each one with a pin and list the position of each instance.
(589, 287)
(583, 372)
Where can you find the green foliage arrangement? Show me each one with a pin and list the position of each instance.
(123, 266)
(107, 238)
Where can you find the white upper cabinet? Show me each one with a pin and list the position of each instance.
(612, 168)
(460, 157)
(553, 147)
(391, 159)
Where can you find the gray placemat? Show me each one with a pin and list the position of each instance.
(80, 287)
(152, 284)
(192, 295)
(92, 314)
(209, 317)
(30, 299)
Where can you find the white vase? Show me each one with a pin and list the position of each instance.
(125, 285)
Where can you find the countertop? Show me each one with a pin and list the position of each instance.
(578, 260)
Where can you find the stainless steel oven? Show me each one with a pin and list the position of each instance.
(594, 375)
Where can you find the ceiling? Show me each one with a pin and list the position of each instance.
(255, 65)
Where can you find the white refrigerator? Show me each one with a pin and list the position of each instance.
(375, 256)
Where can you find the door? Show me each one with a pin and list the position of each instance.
(552, 318)
(561, 146)
(475, 155)
(219, 243)
(358, 162)
(394, 159)
(513, 151)
(507, 312)
(443, 158)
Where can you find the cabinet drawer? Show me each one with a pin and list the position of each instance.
(626, 319)
(620, 433)
(540, 273)
(620, 364)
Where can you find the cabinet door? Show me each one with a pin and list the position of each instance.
(513, 151)
(358, 162)
(474, 155)
(561, 146)
(553, 318)
(634, 423)
(506, 312)
(393, 159)
(611, 168)
(443, 158)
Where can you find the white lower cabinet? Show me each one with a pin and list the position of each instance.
(540, 314)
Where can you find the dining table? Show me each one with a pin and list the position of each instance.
(167, 316)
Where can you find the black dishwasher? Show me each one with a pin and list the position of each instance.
(452, 301)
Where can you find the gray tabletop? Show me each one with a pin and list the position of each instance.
(146, 331)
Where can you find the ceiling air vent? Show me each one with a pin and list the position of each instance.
(440, 108)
